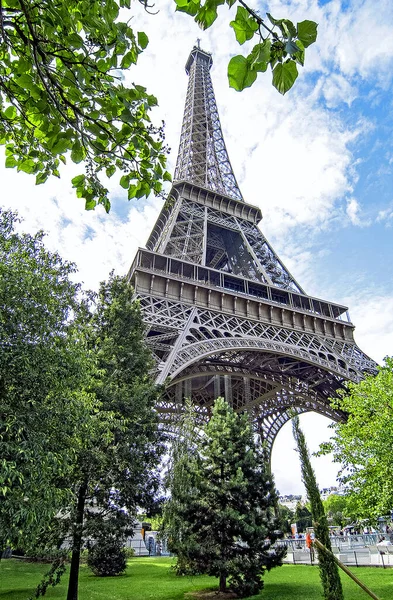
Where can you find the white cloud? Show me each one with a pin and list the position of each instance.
(95, 241)
(354, 211)
(335, 88)
(365, 44)
(386, 216)
(300, 168)
(285, 459)
(372, 313)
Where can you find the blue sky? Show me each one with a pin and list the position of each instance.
(319, 163)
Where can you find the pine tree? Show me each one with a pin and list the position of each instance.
(225, 504)
(331, 582)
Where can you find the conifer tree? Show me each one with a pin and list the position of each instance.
(225, 504)
(330, 578)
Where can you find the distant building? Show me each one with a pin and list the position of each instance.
(290, 500)
(333, 490)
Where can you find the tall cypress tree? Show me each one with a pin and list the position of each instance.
(225, 504)
(331, 582)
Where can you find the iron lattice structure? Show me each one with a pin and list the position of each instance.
(203, 158)
(224, 316)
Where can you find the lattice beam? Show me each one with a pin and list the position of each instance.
(203, 158)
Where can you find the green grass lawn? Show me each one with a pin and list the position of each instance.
(152, 578)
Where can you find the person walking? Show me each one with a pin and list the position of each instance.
(309, 545)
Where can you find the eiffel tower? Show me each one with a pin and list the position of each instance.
(224, 316)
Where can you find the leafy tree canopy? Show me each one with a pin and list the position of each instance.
(62, 68)
(116, 469)
(281, 44)
(62, 91)
(43, 370)
(363, 444)
(337, 509)
(78, 428)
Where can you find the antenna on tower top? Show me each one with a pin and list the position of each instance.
(199, 43)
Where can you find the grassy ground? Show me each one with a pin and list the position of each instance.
(151, 578)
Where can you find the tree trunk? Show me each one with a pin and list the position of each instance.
(77, 544)
(223, 583)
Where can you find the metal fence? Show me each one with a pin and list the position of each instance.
(353, 551)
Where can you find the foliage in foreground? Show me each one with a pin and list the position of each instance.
(44, 368)
(281, 44)
(116, 470)
(62, 67)
(62, 92)
(78, 427)
(363, 444)
(220, 519)
(328, 569)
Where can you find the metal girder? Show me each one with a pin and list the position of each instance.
(207, 332)
(203, 158)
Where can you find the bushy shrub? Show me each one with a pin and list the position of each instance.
(107, 558)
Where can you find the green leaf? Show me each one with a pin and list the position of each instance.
(75, 40)
(61, 146)
(127, 60)
(299, 55)
(307, 32)
(206, 15)
(191, 7)
(142, 189)
(90, 204)
(110, 171)
(25, 81)
(284, 76)
(289, 27)
(132, 191)
(27, 166)
(41, 178)
(244, 25)
(240, 73)
(286, 26)
(10, 162)
(78, 152)
(143, 40)
(260, 56)
(10, 112)
(78, 181)
(125, 181)
(167, 176)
